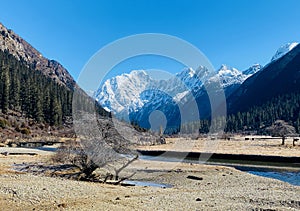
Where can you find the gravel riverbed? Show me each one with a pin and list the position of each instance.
(216, 188)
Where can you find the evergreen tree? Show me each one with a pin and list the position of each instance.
(5, 89)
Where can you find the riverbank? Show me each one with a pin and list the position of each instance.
(254, 145)
(194, 187)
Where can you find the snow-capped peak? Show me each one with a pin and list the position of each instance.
(228, 71)
(228, 76)
(191, 72)
(283, 50)
(136, 73)
(253, 69)
(127, 93)
(187, 72)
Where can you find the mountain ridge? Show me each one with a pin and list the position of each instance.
(278, 77)
(128, 94)
(22, 50)
(145, 101)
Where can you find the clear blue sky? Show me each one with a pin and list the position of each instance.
(234, 32)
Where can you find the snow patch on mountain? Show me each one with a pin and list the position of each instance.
(283, 50)
(123, 92)
(253, 69)
(228, 76)
(177, 98)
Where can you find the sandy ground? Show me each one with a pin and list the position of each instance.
(237, 145)
(24, 150)
(220, 188)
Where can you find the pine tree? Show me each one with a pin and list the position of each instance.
(5, 89)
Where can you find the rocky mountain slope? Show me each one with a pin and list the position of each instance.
(32, 105)
(22, 50)
(281, 76)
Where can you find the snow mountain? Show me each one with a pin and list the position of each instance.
(134, 96)
(128, 94)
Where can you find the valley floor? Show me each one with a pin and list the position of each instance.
(254, 145)
(218, 188)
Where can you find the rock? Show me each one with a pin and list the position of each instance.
(194, 177)
(63, 205)
(198, 199)
(178, 170)
(5, 153)
(3, 145)
(14, 145)
(162, 140)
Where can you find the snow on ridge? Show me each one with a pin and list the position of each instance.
(228, 71)
(124, 93)
(253, 69)
(284, 50)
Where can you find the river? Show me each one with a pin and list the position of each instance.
(286, 173)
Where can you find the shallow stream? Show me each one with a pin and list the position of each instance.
(288, 173)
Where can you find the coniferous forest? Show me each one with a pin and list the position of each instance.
(285, 107)
(255, 119)
(29, 92)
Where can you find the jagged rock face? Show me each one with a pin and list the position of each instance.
(136, 94)
(22, 50)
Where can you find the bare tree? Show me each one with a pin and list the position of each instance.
(72, 153)
(89, 160)
(103, 141)
(281, 129)
(98, 145)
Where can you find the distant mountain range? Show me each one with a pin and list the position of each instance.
(129, 92)
(136, 95)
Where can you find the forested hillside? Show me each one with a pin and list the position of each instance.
(30, 93)
(284, 107)
(32, 103)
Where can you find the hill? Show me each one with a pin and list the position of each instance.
(36, 93)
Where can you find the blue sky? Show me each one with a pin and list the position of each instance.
(233, 32)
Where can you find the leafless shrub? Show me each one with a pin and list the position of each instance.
(281, 129)
(100, 146)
